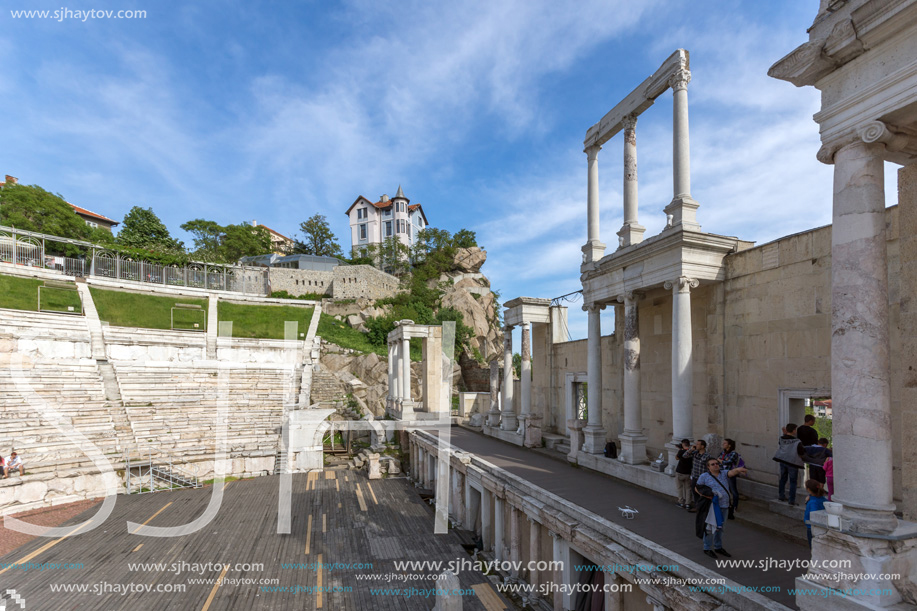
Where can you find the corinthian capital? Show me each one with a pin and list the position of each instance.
(680, 79)
(682, 283)
(629, 122)
(592, 152)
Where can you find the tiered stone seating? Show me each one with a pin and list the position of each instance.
(73, 389)
(173, 406)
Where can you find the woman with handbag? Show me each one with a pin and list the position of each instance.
(730, 459)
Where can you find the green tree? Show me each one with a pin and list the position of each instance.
(227, 244)
(318, 239)
(31, 208)
(394, 256)
(141, 228)
(464, 238)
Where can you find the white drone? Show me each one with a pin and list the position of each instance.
(628, 512)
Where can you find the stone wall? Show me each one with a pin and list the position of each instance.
(298, 282)
(343, 282)
(355, 281)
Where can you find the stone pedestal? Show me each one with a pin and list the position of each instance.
(531, 430)
(633, 448)
(877, 557)
(576, 438)
(372, 469)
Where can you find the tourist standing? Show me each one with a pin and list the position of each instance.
(714, 484)
(729, 460)
(816, 456)
(807, 434)
(790, 456)
(683, 475)
(815, 502)
(698, 455)
(829, 476)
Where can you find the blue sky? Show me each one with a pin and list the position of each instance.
(274, 111)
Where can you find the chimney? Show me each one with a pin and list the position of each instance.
(11, 180)
(254, 223)
(384, 196)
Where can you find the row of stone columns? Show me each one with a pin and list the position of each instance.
(681, 211)
(633, 441)
(399, 371)
(506, 520)
(507, 419)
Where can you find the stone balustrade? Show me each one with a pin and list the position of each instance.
(520, 522)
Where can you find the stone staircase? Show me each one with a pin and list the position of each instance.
(326, 390)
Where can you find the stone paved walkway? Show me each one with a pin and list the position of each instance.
(659, 519)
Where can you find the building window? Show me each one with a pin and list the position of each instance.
(362, 213)
(362, 232)
(388, 212)
(388, 229)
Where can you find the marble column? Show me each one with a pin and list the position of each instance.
(859, 340)
(509, 415)
(682, 367)
(563, 571)
(396, 373)
(499, 536)
(534, 548)
(594, 249)
(633, 441)
(457, 495)
(631, 231)
(406, 371)
(487, 518)
(683, 209)
(515, 540)
(493, 416)
(594, 432)
(525, 372)
(391, 375)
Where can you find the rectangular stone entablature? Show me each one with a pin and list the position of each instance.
(637, 100)
(657, 260)
(527, 309)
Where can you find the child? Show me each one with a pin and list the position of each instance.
(815, 502)
(829, 475)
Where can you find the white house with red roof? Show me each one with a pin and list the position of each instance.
(374, 222)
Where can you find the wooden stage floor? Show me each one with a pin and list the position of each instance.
(338, 517)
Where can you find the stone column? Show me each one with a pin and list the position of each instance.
(456, 478)
(526, 372)
(633, 441)
(515, 540)
(683, 209)
(859, 340)
(391, 375)
(509, 415)
(682, 367)
(493, 416)
(594, 249)
(406, 371)
(396, 374)
(562, 571)
(594, 432)
(499, 535)
(534, 548)
(631, 231)
(487, 518)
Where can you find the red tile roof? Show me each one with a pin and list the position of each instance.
(86, 212)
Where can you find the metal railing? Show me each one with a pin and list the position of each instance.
(29, 249)
(150, 472)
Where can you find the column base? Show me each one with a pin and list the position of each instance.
(404, 410)
(631, 234)
(593, 439)
(509, 422)
(593, 251)
(531, 430)
(672, 450)
(683, 210)
(493, 419)
(895, 554)
(633, 448)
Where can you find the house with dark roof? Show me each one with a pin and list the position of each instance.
(374, 222)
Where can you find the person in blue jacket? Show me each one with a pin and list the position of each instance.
(815, 502)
